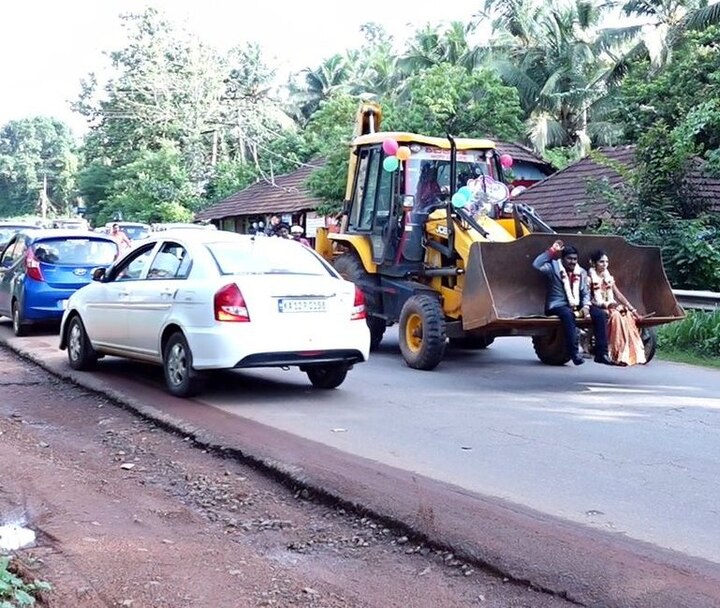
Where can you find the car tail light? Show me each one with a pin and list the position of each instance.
(230, 305)
(358, 310)
(32, 266)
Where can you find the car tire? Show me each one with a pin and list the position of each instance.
(351, 269)
(422, 332)
(19, 328)
(550, 348)
(327, 376)
(180, 377)
(81, 354)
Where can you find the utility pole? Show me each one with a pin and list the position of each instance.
(44, 199)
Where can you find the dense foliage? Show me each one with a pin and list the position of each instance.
(36, 155)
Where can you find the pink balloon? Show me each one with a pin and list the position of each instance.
(506, 161)
(390, 147)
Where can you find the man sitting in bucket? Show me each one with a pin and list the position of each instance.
(568, 297)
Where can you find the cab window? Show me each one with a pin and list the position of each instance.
(132, 268)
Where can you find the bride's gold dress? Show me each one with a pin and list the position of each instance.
(625, 346)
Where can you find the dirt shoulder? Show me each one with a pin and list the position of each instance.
(184, 528)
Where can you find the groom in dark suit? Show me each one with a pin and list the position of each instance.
(568, 297)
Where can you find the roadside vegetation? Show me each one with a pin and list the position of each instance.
(695, 339)
(14, 591)
(181, 125)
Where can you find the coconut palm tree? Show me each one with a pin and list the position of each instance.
(556, 57)
(435, 44)
(318, 84)
(666, 22)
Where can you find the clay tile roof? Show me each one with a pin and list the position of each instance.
(561, 199)
(287, 194)
(705, 186)
(563, 202)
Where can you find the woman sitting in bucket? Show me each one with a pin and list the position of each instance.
(625, 345)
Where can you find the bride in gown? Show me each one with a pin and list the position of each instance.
(625, 346)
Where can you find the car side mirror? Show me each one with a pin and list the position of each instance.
(98, 274)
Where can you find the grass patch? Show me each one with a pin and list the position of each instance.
(683, 356)
(14, 591)
(695, 339)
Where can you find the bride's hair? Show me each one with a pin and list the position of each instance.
(596, 256)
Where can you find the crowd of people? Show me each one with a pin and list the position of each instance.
(280, 229)
(573, 292)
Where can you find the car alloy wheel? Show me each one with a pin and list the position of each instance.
(17, 324)
(177, 365)
(81, 354)
(181, 379)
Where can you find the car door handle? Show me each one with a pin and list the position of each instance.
(123, 294)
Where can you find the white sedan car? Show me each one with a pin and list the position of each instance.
(198, 300)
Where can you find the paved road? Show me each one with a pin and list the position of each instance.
(631, 451)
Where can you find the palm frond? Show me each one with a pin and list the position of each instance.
(605, 133)
(702, 17)
(613, 38)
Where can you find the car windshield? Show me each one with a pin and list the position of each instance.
(432, 165)
(75, 251)
(268, 255)
(135, 233)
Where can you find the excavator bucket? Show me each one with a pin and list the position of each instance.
(504, 294)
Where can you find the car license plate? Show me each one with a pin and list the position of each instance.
(301, 305)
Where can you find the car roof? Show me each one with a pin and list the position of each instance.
(59, 233)
(195, 235)
(216, 236)
(18, 225)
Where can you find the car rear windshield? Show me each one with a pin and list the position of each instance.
(268, 255)
(75, 251)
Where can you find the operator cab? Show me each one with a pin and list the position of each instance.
(390, 200)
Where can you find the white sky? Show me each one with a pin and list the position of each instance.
(47, 46)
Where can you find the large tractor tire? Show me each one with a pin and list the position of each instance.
(422, 332)
(649, 338)
(351, 269)
(550, 348)
(471, 342)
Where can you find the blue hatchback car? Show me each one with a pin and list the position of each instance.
(41, 269)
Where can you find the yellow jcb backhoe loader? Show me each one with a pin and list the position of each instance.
(457, 269)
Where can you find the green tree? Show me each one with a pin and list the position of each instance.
(328, 133)
(660, 204)
(217, 110)
(447, 98)
(671, 94)
(438, 44)
(667, 23)
(562, 64)
(153, 188)
(34, 151)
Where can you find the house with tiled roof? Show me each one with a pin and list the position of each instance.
(528, 168)
(284, 195)
(563, 200)
(288, 196)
